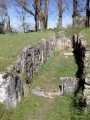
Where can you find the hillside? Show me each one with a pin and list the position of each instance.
(34, 107)
(11, 44)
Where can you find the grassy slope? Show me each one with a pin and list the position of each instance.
(86, 33)
(10, 45)
(70, 32)
(34, 107)
(48, 77)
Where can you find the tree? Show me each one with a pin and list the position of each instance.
(8, 27)
(3, 10)
(36, 16)
(22, 15)
(60, 13)
(4, 16)
(87, 13)
(63, 7)
(46, 13)
(78, 10)
(2, 28)
(74, 12)
(43, 14)
(39, 13)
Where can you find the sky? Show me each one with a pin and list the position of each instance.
(52, 19)
(52, 15)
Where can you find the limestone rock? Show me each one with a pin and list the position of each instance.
(11, 68)
(87, 86)
(18, 66)
(69, 85)
(88, 100)
(87, 79)
(86, 92)
(10, 90)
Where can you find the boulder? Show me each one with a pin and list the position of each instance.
(10, 89)
(68, 85)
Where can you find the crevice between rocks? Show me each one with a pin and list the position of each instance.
(79, 50)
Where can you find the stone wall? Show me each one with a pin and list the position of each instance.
(81, 52)
(82, 56)
(15, 83)
(32, 58)
(87, 76)
(62, 41)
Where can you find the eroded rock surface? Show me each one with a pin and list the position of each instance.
(10, 89)
(68, 85)
(42, 92)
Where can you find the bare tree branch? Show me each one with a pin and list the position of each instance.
(23, 5)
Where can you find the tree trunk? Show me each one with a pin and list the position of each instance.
(43, 15)
(2, 26)
(74, 12)
(36, 6)
(74, 20)
(46, 13)
(60, 21)
(36, 23)
(60, 14)
(8, 26)
(87, 14)
(24, 29)
(42, 25)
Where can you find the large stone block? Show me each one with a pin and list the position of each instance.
(10, 89)
(68, 85)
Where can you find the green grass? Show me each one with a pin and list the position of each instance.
(11, 44)
(34, 107)
(86, 33)
(30, 108)
(4, 113)
(61, 109)
(48, 77)
(70, 32)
